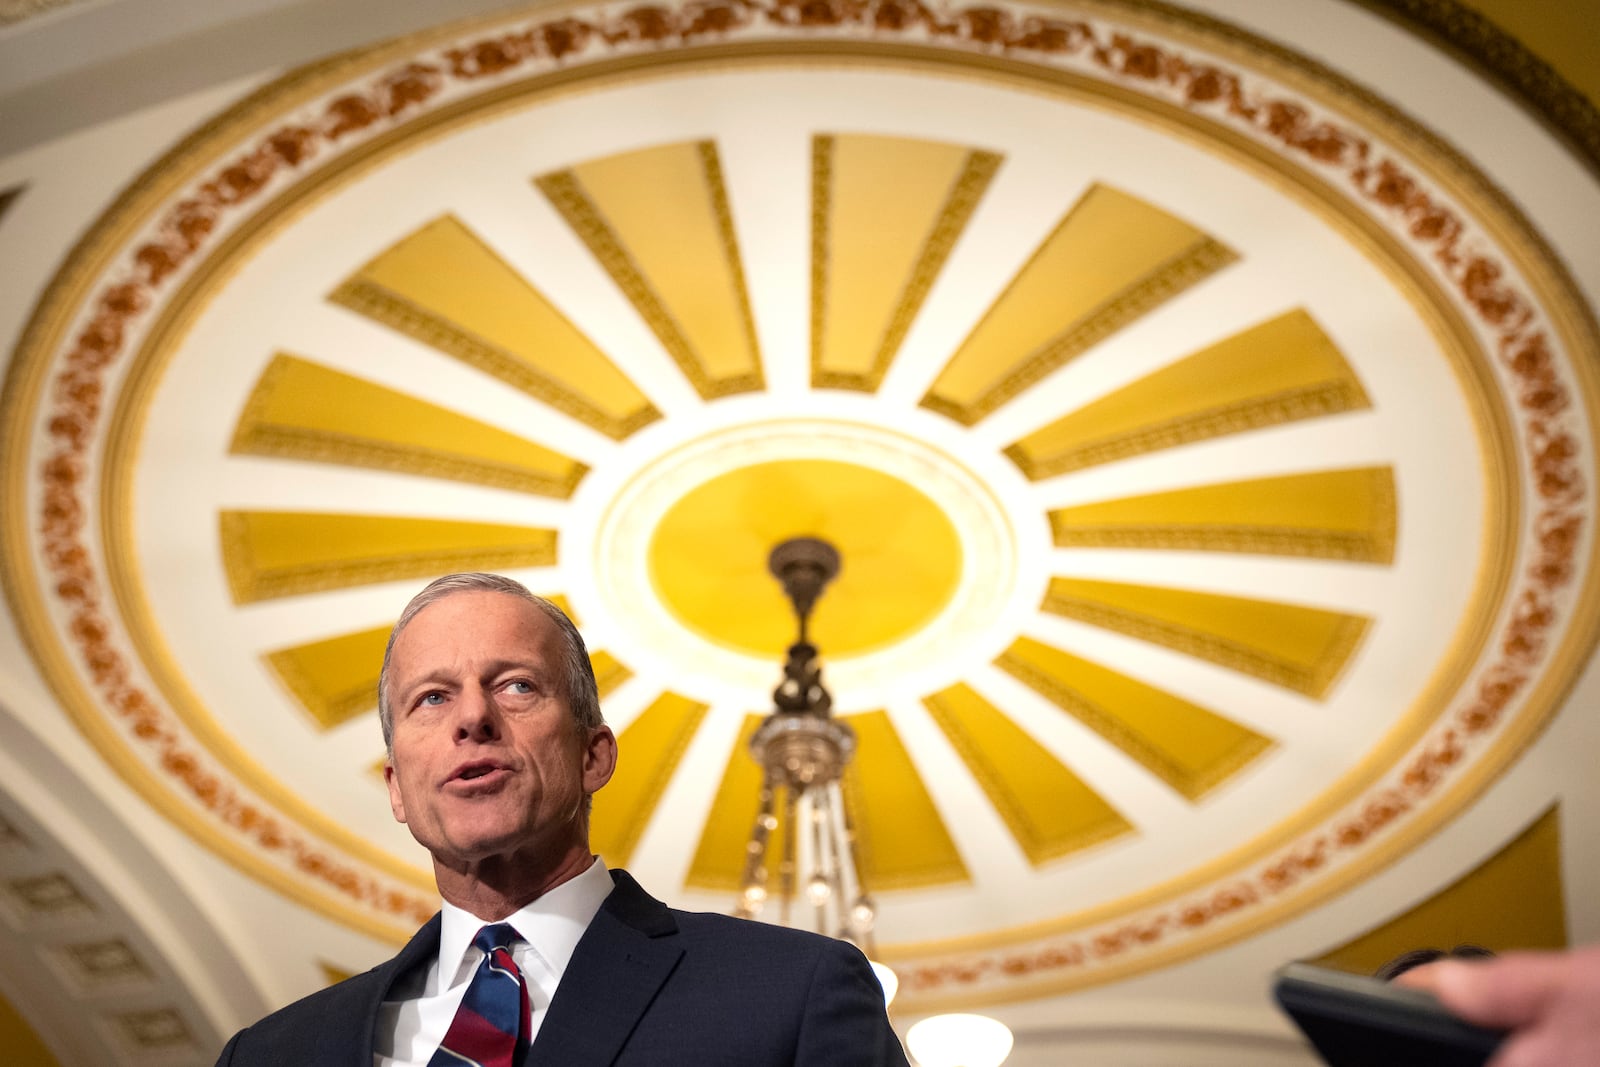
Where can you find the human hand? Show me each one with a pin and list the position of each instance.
(1549, 1001)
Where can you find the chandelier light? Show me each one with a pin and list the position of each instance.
(886, 978)
(814, 878)
(958, 1040)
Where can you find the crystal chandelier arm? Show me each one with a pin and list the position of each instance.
(863, 913)
(786, 866)
(753, 882)
(819, 887)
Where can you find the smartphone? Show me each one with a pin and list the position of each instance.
(1357, 1021)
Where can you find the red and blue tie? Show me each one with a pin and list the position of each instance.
(492, 1025)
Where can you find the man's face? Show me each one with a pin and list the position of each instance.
(487, 760)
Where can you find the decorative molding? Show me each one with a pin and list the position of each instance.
(567, 195)
(1293, 405)
(822, 146)
(1348, 515)
(717, 190)
(1202, 259)
(647, 779)
(992, 778)
(965, 193)
(609, 672)
(249, 580)
(1423, 774)
(94, 965)
(259, 434)
(1356, 546)
(158, 1030)
(379, 304)
(1109, 725)
(47, 896)
(327, 710)
(1494, 53)
(885, 797)
(316, 446)
(84, 952)
(1312, 680)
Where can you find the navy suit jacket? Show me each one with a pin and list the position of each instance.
(647, 986)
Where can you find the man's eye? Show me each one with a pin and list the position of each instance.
(431, 700)
(521, 686)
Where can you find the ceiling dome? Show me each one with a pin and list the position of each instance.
(1209, 446)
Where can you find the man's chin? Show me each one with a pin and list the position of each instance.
(474, 851)
(468, 848)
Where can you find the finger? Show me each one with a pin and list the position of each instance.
(1511, 991)
(1533, 1049)
(1424, 977)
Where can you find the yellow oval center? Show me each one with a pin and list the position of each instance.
(901, 556)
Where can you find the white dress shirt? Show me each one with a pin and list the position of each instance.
(414, 1021)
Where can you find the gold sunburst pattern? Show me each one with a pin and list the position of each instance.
(446, 287)
(1112, 258)
(306, 411)
(885, 214)
(1278, 371)
(1153, 584)
(649, 215)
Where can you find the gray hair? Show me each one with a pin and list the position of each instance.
(583, 695)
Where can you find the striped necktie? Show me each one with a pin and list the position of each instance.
(492, 1025)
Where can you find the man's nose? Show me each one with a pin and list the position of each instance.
(477, 718)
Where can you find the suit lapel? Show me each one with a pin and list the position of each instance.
(362, 1039)
(616, 971)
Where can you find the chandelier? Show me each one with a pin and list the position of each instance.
(813, 874)
(803, 752)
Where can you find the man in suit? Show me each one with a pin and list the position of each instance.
(495, 746)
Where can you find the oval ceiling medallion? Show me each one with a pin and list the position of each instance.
(1210, 449)
(705, 556)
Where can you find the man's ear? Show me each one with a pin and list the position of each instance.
(397, 803)
(599, 759)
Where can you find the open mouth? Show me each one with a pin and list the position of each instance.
(474, 772)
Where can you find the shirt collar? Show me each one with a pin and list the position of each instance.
(551, 924)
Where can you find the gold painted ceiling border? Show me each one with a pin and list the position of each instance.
(185, 230)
